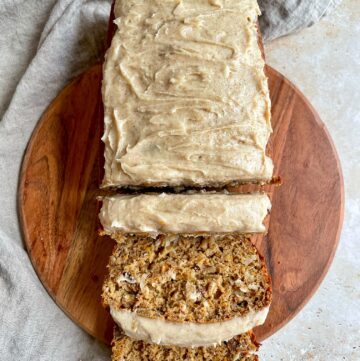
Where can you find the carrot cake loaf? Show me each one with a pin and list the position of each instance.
(240, 348)
(185, 95)
(186, 291)
(155, 213)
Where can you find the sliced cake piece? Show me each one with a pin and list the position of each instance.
(186, 291)
(184, 213)
(185, 95)
(240, 348)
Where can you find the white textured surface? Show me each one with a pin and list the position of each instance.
(323, 62)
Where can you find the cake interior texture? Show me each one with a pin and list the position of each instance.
(187, 279)
(185, 95)
(240, 348)
(187, 290)
(204, 212)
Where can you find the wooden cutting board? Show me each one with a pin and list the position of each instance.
(60, 178)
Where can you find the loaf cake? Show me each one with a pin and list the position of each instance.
(194, 213)
(186, 291)
(186, 104)
(185, 96)
(240, 348)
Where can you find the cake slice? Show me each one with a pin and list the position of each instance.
(186, 291)
(240, 348)
(185, 95)
(194, 213)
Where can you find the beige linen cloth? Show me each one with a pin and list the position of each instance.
(43, 45)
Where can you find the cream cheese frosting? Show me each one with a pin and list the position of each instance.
(185, 334)
(185, 96)
(185, 213)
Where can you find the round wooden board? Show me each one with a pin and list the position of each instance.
(60, 179)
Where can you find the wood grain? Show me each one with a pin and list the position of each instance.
(60, 179)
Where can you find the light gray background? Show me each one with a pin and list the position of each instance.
(45, 43)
